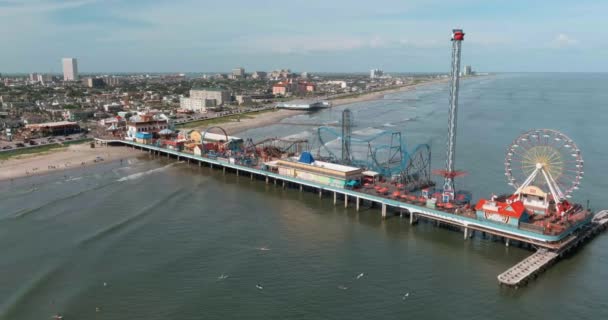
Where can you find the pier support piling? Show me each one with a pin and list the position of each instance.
(507, 242)
(345, 200)
(335, 198)
(357, 202)
(412, 218)
(466, 233)
(384, 211)
(320, 192)
(252, 176)
(301, 188)
(283, 184)
(224, 170)
(266, 179)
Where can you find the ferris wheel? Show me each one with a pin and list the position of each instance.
(547, 159)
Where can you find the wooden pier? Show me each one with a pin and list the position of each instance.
(551, 247)
(532, 266)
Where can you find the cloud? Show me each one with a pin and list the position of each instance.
(313, 43)
(563, 40)
(13, 7)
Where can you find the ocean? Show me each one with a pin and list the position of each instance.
(153, 238)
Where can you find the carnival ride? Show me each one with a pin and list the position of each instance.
(546, 159)
(378, 150)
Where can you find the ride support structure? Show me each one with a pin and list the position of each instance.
(450, 173)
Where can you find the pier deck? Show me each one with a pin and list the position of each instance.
(530, 267)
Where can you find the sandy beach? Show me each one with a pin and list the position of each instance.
(269, 118)
(83, 155)
(61, 159)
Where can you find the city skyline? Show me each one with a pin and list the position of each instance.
(191, 36)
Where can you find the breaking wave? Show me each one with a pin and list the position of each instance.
(145, 173)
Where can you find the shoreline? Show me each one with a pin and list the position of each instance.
(276, 117)
(73, 156)
(82, 155)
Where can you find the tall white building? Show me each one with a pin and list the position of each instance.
(375, 73)
(70, 69)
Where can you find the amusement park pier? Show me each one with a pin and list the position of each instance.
(543, 166)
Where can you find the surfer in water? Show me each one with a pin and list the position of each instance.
(259, 286)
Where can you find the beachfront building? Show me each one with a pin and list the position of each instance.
(280, 89)
(196, 105)
(306, 168)
(145, 123)
(305, 87)
(52, 128)
(220, 96)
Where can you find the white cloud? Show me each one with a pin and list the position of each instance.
(563, 40)
(313, 43)
(21, 7)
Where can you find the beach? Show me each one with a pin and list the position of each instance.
(84, 155)
(268, 118)
(73, 156)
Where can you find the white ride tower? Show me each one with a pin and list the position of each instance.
(450, 173)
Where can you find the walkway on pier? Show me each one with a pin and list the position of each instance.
(528, 268)
(519, 273)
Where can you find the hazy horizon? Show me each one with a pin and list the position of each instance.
(185, 35)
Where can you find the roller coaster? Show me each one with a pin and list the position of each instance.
(378, 150)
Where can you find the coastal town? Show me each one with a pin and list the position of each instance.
(192, 120)
(38, 106)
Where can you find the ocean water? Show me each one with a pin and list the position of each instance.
(155, 239)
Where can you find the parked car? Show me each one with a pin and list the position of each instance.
(6, 147)
(19, 145)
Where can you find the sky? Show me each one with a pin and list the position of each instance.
(311, 35)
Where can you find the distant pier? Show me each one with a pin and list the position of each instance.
(550, 247)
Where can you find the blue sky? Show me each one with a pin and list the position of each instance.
(310, 35)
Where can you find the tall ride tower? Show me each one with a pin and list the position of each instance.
(347, 123)
(450, 173)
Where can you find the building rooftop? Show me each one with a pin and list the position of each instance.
(52, 124)
(208, 88)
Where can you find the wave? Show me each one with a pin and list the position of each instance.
(145, 173)
(22, 296)
(388, 125)
(25, 212)
(142, 213)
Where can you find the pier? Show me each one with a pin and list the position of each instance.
(532, 266)
(551, 247)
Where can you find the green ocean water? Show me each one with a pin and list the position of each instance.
(156, 239)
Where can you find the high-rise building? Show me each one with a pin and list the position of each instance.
(259, 75)
(70, 69)
(375, 73)
(468, 71)
(238, 72)
(94, 82)
(33, 77)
